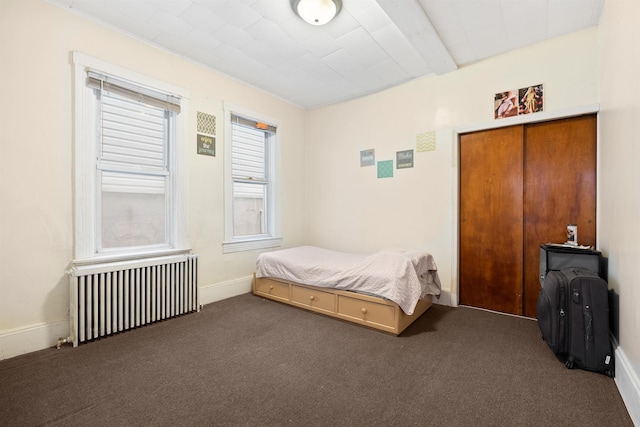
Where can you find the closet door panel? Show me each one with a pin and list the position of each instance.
(559, 189)
(491, 230)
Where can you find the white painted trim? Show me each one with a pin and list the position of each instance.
(542, 116)
(628, 383)
(223, 290)
(274, 237)
(85, 185)
(97, 268)
(454, 299)
(455, 200)
(240, 246)
(445, 298)
(32, 338)
(42, 336)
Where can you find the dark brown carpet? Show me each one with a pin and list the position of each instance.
(252, 362)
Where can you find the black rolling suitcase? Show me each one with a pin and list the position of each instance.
(573, 316)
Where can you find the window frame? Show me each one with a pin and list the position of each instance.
(86, 184)
(272, 237)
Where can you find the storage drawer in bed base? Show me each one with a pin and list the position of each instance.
(366, 310)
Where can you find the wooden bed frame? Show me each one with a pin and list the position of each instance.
(374, 312)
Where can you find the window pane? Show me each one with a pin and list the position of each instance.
(249, 209)
(133, 210)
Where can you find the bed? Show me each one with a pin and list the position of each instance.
(387, 290)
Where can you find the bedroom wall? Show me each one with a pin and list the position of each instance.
(36, 223)
(350, 209)
(619, 179)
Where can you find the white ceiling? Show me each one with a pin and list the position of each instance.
(370, 46)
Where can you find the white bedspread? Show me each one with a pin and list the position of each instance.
(399, 275)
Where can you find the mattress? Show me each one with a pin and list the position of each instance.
(402, 276)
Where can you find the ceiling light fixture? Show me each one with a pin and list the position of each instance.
(316, 12)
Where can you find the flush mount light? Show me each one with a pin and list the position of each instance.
(316, 12)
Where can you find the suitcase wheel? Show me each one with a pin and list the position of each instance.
(569, 364)
(609, 373)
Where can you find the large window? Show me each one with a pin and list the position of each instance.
(251, 203)
(128, 187)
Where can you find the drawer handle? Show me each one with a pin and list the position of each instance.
(270, 288)
(363, 310)
(311, 298)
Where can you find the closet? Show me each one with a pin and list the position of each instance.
(519, 188)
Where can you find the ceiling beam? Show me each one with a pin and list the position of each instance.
(413, 22)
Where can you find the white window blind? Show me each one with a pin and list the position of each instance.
(249, 157)
(133, 133)
(135, 129)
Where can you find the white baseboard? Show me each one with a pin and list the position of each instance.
(628, 383)
(39, 337)
(445, 298)
(46, 335)
(32, 338)
(224, 290)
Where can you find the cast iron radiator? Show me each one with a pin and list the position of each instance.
(114, 297)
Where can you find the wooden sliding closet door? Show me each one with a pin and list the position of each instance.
(559, 189)
(519, 188)
(491, 206)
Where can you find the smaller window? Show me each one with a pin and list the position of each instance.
(251, 215)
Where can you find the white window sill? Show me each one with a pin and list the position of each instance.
(103, 259)
(249, 245)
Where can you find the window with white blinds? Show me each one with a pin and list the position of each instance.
(133, 138)
(252, 214)
(250, 178)
(127, 170)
